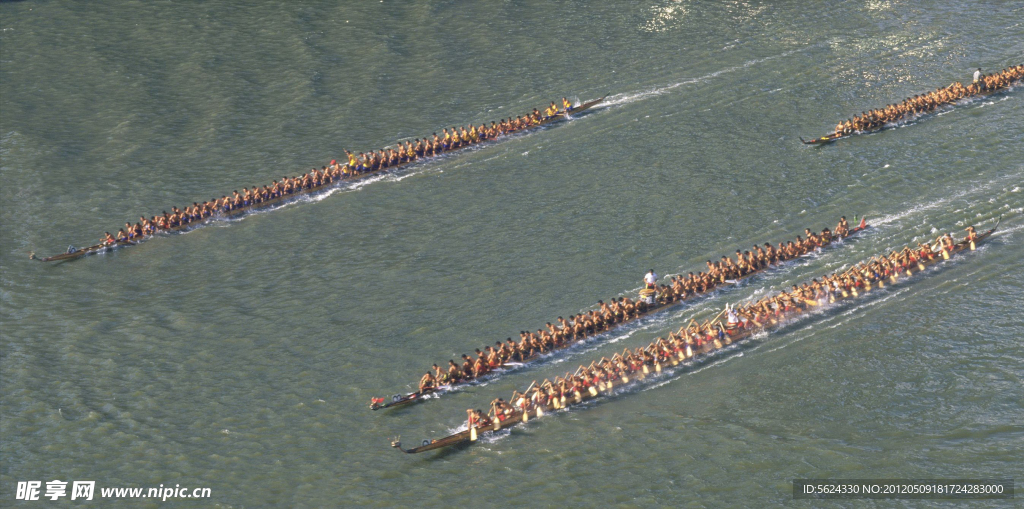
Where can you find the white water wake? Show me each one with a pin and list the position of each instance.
(631, 97)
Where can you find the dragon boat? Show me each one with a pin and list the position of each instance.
(73, 253)
(831, 137)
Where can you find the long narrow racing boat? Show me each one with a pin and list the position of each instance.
(73, 253)
(829, 138)
(524, 407)
(655, 305)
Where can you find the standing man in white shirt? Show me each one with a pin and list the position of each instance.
(977, 75)
(651, 280)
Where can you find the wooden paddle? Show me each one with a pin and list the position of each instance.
(719, 315)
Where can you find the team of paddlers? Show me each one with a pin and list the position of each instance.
(732, 322)
(622, 309)
(365, 162)
(924, 103)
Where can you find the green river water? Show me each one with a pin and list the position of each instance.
(241, 356)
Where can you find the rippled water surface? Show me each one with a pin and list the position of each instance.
(241, 356)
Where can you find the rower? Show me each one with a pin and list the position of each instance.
(427, 383)
(977, 75)
(814, 242)
(567, 105)
(479, 418)
(947, 241)
(353, 163)
(109, 239)
(453, 371)
(493, 359)
(500, 408)
(842, 229)
(971, 234)
(435, 146)
(651, 280)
